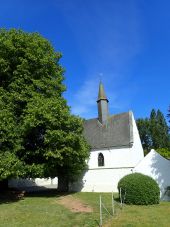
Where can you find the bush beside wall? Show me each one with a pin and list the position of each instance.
(139, 189)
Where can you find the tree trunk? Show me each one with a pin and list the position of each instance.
(63, 183)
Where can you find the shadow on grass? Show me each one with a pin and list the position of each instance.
(14, 195)
(47, 193)
(117, 199)
(10, 196)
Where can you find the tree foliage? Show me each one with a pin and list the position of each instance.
(38, 135)
(165, 152)
(145, 134)
(154, 132)
(159, 130)
(168, 115)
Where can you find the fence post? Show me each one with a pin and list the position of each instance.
(112, 204)
(121, 197)
(100, 211)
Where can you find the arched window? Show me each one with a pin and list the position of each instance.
(100, 159)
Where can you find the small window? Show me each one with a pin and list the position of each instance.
(100, 159)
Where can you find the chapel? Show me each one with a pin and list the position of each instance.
(115, 148)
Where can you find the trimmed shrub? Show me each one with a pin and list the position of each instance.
(139, 189)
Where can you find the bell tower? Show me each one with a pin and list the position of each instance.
(102, 103)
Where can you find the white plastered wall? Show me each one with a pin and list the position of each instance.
(33, 183)
(157, 167)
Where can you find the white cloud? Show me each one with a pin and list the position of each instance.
(85, 99)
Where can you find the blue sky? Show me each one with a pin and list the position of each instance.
(126, 42)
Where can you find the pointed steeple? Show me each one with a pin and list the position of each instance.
(102, 103)
(101, 94)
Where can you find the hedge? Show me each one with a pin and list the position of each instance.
(139, 189)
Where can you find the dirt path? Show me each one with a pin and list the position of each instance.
(74, 204)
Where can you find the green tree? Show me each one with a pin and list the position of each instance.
(164, 139)
(37, 131)
(154, 129)
(154, 132)
(168, 115)
(159, 130)
(165, 152)
(145, 134)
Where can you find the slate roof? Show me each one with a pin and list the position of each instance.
(116, 132)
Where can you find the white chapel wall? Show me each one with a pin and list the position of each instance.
(33, 183)
(137, 149)
(157, 167)
(100, 180)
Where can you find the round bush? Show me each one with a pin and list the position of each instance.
(139, 189)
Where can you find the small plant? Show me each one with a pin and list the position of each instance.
(140, 189)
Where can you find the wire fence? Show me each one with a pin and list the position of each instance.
(109, 207)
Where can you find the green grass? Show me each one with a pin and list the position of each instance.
(138, 216)
(42, 210)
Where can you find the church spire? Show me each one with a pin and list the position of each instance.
(102, 103)
(101, 94)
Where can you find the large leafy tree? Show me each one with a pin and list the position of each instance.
(38, 135)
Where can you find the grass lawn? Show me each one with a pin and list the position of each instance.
(138, 216)
(42, 209)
